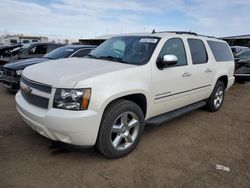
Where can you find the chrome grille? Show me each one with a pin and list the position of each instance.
(27, 87)
(42, 87)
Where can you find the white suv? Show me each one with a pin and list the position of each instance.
(131, 80)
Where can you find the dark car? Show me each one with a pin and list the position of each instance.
(37, 49)
(5, 54)
(13, 71)
(242, 66)
(237, 49)
(242, 74)
(26, 51)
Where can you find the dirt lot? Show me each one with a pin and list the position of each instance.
(181, 153)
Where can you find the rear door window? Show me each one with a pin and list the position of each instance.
(198, 51)
(221, 51)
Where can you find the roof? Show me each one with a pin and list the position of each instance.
(23, 36)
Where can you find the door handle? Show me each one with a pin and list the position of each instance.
(208, 70)
(186, 74)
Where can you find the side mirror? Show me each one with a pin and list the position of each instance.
(169, 60)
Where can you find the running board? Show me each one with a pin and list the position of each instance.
(160, 119)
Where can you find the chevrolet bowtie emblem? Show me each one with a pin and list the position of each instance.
(26, 89)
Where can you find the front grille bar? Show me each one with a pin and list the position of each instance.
(42, 87)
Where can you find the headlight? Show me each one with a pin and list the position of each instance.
(72, 99)
(19, 72)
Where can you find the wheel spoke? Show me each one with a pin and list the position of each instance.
(128, 138)
(124, 119)
(132, 123)
(117, 140)
(116, 129)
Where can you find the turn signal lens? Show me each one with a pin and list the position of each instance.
(86, 98)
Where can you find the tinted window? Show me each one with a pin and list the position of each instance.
(174, 47)
(198, 51)
(136, 50)
(26, 41)
(38, 50)
(82, 53)
(13, 41)
(221, 51)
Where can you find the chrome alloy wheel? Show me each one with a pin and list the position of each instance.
(218, 97)
(124, 131)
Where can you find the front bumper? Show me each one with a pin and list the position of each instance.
(10, 82)
(72, 127)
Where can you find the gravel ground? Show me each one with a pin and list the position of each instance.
(181, 153)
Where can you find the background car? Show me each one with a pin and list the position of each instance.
(5, 54)
(242, 66)
(12, 71)
(237, 49)
(32, 50)
(242, 74)
(25, 51)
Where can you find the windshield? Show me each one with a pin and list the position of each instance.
(62, 52)
(135, 50)
(20, 50)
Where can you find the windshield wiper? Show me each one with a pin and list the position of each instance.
(111, 58)
(92, 56)
(50, 58)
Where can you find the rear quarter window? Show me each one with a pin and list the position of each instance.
(221, 51)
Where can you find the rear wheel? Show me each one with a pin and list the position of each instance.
(121, 129)
(217, 97)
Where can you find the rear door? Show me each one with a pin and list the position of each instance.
(202, 69)
(171, 85)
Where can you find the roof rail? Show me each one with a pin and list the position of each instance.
(177, 32)
(183, 32)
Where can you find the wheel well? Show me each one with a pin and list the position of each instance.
(224, 79)
(139, 99)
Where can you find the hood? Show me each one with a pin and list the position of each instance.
(21, 64)
(65, 73)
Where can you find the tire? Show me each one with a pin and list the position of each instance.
(216, 99)
(121, 129)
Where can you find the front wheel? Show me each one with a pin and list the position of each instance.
(217, 97)
(121, 129)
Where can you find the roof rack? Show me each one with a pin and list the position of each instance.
(183, 32)
(177, 32)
